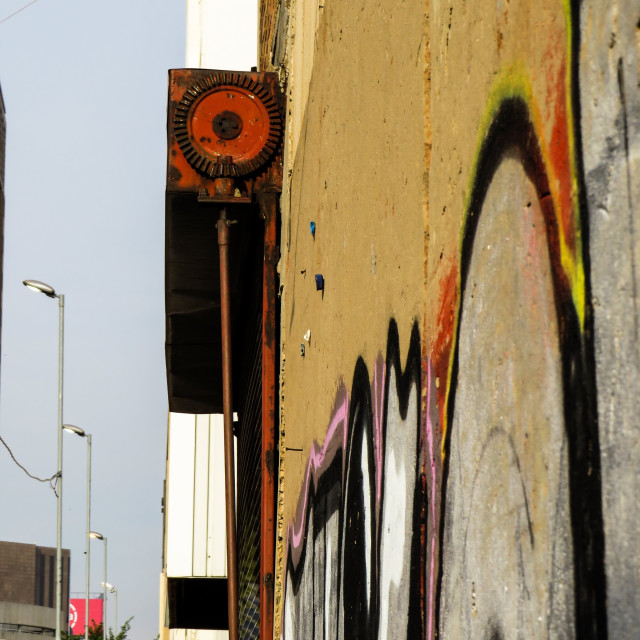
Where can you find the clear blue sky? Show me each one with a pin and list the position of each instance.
(84, 85)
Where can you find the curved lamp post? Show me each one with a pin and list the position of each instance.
(113, 590)
(80, 432)
(50, 292)
(99, 536)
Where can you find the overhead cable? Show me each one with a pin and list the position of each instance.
(53, 480)
(18, 11)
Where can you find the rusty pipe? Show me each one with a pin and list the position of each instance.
(268, 205)
(229, 467)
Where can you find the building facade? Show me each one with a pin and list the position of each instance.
(457, 318)
(27, 589)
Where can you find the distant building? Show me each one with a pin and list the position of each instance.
(27, 589)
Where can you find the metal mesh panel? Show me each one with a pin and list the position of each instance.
(249, 487)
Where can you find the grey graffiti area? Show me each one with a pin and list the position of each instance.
(356, 575)
(507, 551)
(610, 128)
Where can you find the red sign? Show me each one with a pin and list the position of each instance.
(76, 613)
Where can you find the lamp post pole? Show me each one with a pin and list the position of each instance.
(49, 291)
(115, 613)
(99, 536)
(80, 432)
(113, 590)
(59, 536)
(104, 614)
(87, 542)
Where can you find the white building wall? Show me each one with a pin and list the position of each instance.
(196, 532)
(198, 634)
(222, 34)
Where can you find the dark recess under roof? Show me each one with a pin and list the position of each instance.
(192, 296)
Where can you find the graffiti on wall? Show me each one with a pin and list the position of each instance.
(522, 535)
(360, 525)
(460, 496)
(521, 529)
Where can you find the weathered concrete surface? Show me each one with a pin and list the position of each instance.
(27, 619)
(610, 128)
(501, 80)
(446, 153)
(507, 556)
(354, 165)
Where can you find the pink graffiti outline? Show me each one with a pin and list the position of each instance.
(314, 466)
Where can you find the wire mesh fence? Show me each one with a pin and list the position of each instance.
(249, 488)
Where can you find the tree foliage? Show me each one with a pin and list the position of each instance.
(95, 632)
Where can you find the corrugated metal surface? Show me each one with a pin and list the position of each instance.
(196, 537)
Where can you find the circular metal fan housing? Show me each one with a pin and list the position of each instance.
(227, 125)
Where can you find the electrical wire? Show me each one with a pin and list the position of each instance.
(53, 480)
(18, 11)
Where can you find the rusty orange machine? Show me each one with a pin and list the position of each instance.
(225, 130)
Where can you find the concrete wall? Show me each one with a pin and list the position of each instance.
(459, 442)
(356, 162)
(18, 577)
(19, 621)
(610, 128)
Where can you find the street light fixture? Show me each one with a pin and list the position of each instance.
(80, 432)
(113, 590)
(50, 292)
(73, 429)
(36, 285)
(99, 536)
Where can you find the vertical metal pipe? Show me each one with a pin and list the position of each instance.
(88, 542)
(227, 399)
(104, 602)
(267, 203)
(59, 514)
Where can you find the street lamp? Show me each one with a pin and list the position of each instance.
(50, 292)
(113, 590)
(99, 536)
(80, 432)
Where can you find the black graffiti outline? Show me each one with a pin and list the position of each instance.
(335, 477)
(405, 378)
(513, 130)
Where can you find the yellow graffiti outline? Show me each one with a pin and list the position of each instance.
(573, 265)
